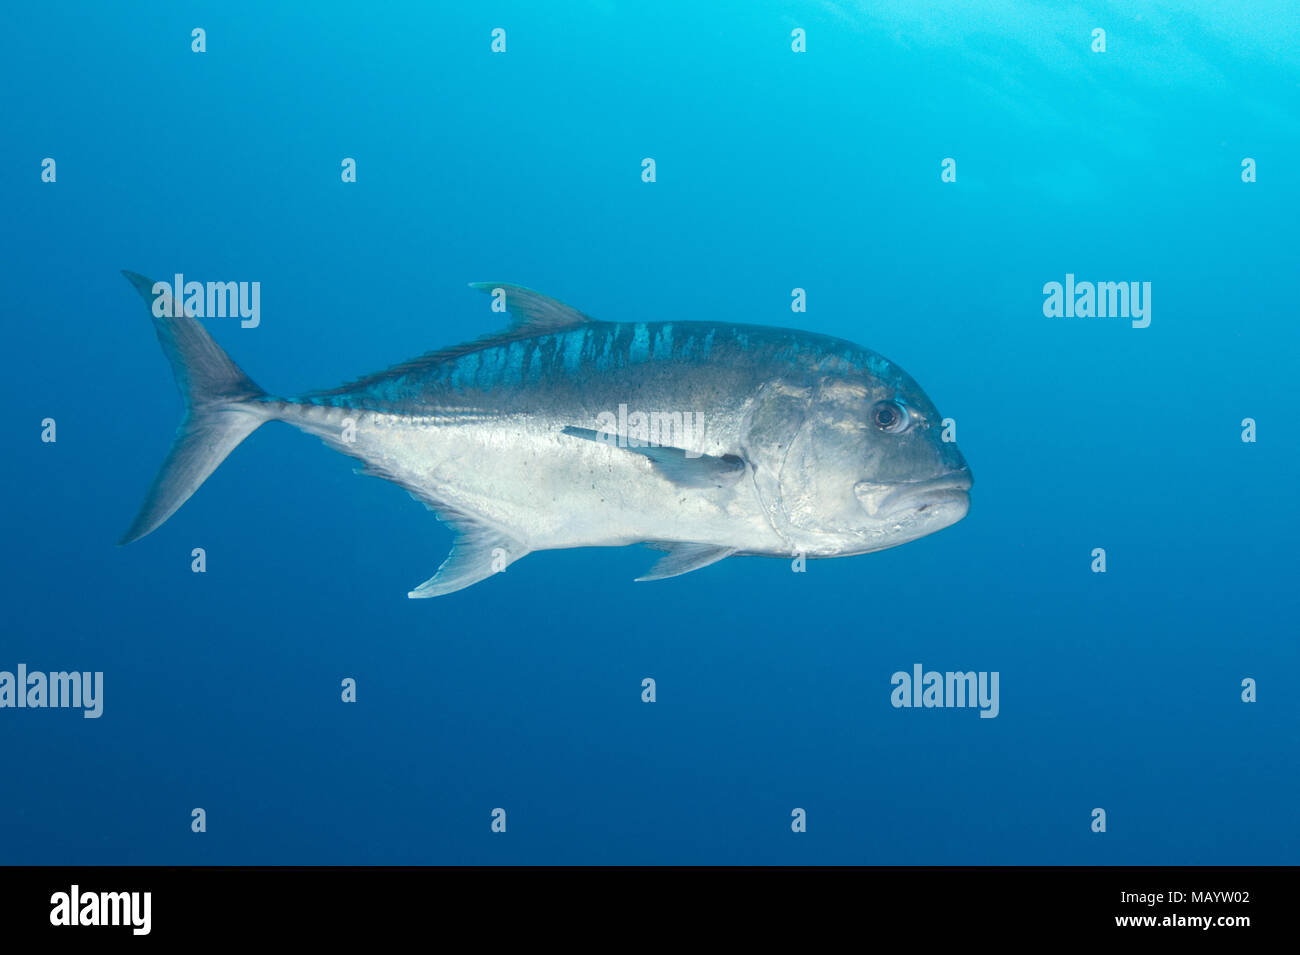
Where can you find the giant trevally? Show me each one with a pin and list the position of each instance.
(702, 439)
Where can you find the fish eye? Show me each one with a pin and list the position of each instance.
(891, 416)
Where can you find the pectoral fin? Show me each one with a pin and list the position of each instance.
(682, 558)
(683, 469)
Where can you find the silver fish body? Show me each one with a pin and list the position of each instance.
(704, 439)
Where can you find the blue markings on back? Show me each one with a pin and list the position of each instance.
(639, 350)
(594, 348)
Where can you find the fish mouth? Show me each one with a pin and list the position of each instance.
(952, 488)
(947, 493)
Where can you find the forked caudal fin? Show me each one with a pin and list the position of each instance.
(220, 410)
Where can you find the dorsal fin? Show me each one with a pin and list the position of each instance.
(533, 312)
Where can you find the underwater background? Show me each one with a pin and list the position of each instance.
(774, 170)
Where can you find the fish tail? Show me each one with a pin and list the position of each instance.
(221, 410)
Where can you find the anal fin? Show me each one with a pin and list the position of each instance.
(477, 553)
(682, 558)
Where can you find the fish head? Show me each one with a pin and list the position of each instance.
(868, 467)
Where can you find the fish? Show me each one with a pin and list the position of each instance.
(701, 439)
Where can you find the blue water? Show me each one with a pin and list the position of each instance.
(775, 170)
